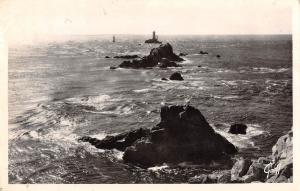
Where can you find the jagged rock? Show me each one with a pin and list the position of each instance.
(238, 129)
(120, 141)
(256, 171)
(176, 76)
(202, 52)
(282, 157)
(240, 168)
(152, 60)
(182, 135)
(127, 56)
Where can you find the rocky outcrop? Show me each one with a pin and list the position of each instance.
(107, 57)
(127, 56)
(238, 129)
(176, 76)
(182, 135)
(156, 55)
(203, 52)
(276, 168)
(218, 56)
(120, 141)
(154, 41)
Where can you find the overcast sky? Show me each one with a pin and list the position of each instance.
(32, 18)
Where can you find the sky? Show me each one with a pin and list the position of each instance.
(24, 19)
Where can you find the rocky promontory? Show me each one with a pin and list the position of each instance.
(275, 168)
(162, 55)
(183, 134)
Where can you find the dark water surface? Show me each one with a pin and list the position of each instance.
(61, 90)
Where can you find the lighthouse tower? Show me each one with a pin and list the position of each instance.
(153, 35)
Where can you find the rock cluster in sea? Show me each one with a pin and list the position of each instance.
(183, 134)
(162, 56)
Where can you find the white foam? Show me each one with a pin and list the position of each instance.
(142, 90)
(269, 70)
(98, 102)
(240, 140)
(156, 168)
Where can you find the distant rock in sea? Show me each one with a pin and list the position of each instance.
(113, 67)
(182, 135)
(154, 39)
(127, 56)
(107, 57)
(176, 76)
(203, 52)
(218, 56)
(156, 55)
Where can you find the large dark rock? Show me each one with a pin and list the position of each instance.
(238, 129)
(176, 76)
(182, 135)
(152, 60)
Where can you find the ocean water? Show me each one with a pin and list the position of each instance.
(63, 89)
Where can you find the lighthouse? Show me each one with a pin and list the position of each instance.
(153, 35)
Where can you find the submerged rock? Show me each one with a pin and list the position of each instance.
(238, 129)
(155, 56)
(183, 54)
(176, 76)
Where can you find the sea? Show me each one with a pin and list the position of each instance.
(62, 89)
